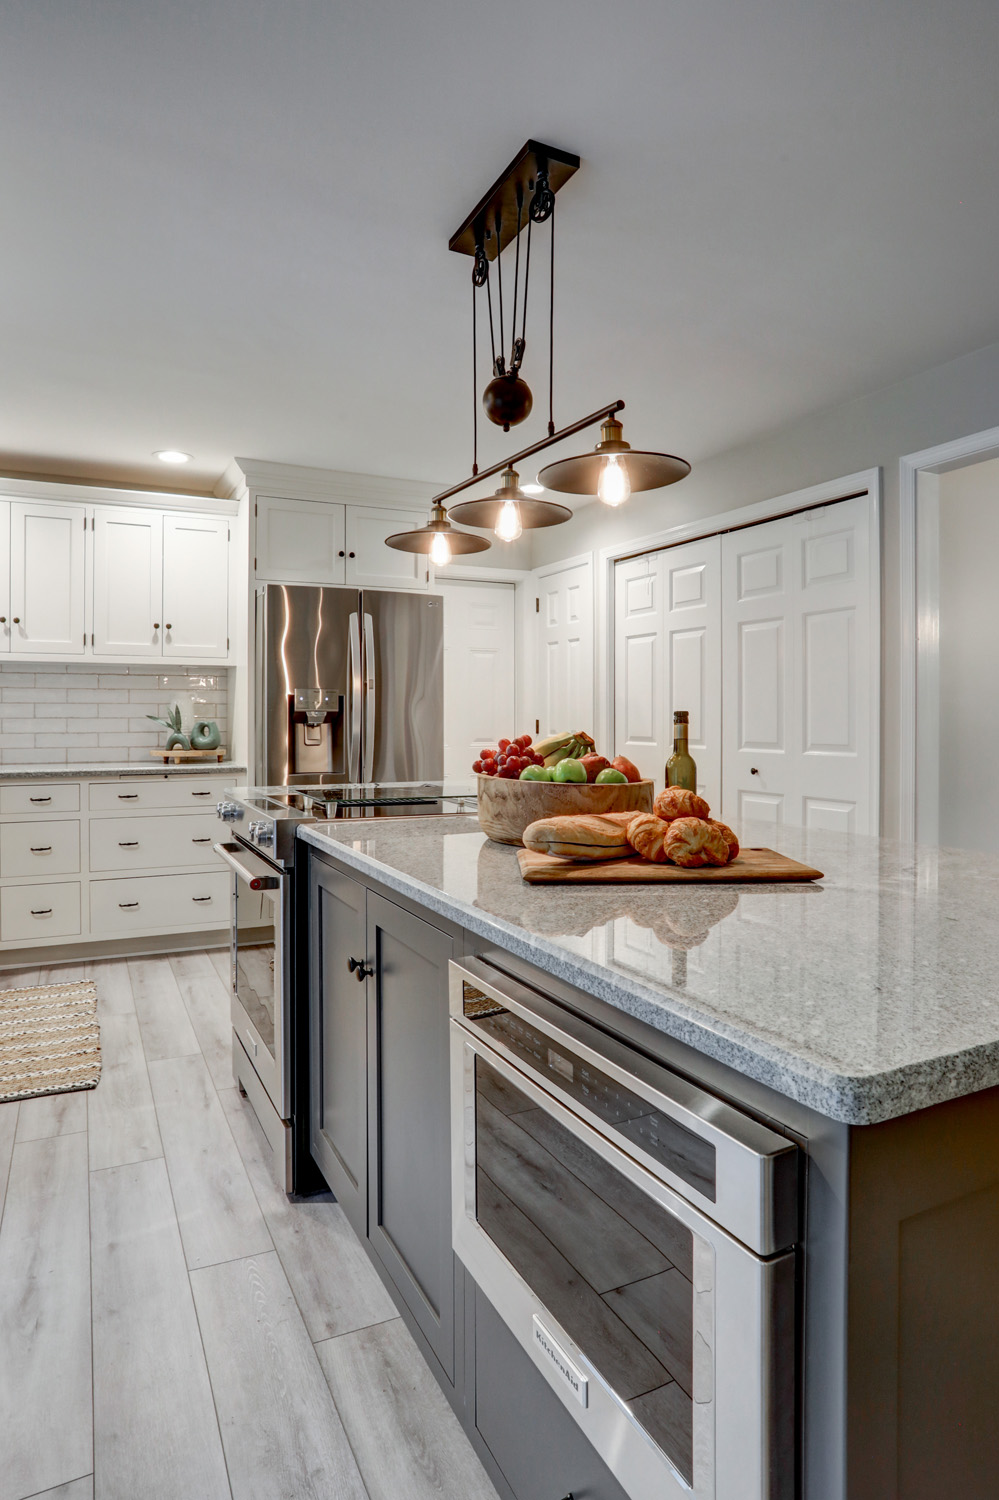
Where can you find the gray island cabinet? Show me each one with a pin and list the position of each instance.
(852, 1025)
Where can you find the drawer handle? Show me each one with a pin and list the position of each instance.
(41, 911)
(126, 904)
(127, 796)
(128, 843)
(202, 841)
(202, 794)
(39, 799)
(201, 898)
(40, 848)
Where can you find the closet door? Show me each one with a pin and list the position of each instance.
(800, 659)
(639, 670)
(47, 549)
(479, 670)
(195, 588)
(564, 689)
(5, 626)
(128, 582)
(692, 655)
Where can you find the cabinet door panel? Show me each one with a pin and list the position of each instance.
(195, 587)
(47, 546)
(299, 541)
(128, 582)
(4, 575)
(370, 564)
(338, 1009)
(409, 1213)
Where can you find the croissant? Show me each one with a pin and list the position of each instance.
(646, 834)
(692, 842)
(678, 802)
(727, 835)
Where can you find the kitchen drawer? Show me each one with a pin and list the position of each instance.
(29, 913)
(49, 847)
(152, 902)
(154, 843)
(39, 797)
(139, 793)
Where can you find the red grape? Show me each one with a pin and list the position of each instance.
(525, 740)
(504, 744)
(489, 755)
(477, 766)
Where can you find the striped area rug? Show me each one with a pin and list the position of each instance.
(50, 1042)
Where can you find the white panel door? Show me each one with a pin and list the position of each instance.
(799, 671)
(299, 541)
(128, 582)
(479, 671)
(195, 587)
(691, 593)
(370, 564)
(47, 550)
(564, 689)
(639, 672)
(5, 627)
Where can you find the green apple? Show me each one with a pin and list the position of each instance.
(570, 770)
(536, 773)
(610, 777)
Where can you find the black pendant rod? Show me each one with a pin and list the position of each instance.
(515, 458)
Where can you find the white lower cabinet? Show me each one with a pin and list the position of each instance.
(143, 842)
(158, 903)
(32, 913)
(35, 849)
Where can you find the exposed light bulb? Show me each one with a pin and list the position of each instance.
(440, 550)
(508, 523)
(614, 484)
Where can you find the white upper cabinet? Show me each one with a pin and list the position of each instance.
(128, 582)
(5, 575)
(47, 553)
(299, 541)
(370, 564)
(195, 587)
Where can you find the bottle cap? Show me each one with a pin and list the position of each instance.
(681, 716)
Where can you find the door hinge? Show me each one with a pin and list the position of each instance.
(537, 606)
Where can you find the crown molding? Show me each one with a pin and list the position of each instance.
(299, 482)
(83, 494)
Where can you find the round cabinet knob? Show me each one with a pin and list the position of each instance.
(359, 968)
(168, 625)
(753, 771)
(351, 554)
(341, 553)
(156, 624)
(3, 619)
(17, 619)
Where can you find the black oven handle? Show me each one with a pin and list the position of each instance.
(248, 868)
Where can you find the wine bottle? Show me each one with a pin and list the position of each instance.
(680, 768)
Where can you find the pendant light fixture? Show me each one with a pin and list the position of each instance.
(510, 510)
(438, 540)
(614, 470)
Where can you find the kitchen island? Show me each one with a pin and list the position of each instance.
(857, 1016)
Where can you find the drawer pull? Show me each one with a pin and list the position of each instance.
(128, 843)
(202, 794)
(201, 841)
(126, 904)
(201, 898)
(41, 911)
(39, 799)
(40, 848)
(127, 796)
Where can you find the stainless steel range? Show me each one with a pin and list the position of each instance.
(259, 849)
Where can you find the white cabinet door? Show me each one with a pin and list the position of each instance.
(479, 671)
(47, 549)
(639, 673)
(691, 592)
(565, 647)
(195, 587)
(4, 575)
(370, 564)
(799, 671)
(299, 541)
(128, 582)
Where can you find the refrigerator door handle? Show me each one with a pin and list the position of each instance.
(354, 693)
(370, 699)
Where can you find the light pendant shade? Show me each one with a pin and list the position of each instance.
(438, 540)
(614, 469)
(510, 502)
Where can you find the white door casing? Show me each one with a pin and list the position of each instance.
(799, 671)
(479, 670)
(299, 541)
(47, 555)
(5, 629)
(195, 587)
(370, 564)
(128, 581)
(564, 646)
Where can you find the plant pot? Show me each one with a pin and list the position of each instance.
(506, 808)
(178, 742)
(205, 735)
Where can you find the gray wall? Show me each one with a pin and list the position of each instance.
(934, 406)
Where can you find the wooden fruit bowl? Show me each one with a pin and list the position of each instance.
(507, 807)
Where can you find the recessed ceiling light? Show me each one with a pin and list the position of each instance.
(172, 456)
(533, 489)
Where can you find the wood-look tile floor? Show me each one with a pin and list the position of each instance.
(171, 1326)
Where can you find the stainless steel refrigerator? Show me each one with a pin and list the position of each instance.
(350, 686)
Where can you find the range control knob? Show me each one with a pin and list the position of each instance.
(229, 812)
(261, 832)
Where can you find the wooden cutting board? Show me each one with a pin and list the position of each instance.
(749, 865)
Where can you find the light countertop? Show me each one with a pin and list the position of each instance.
(866, 996)
(127, 768)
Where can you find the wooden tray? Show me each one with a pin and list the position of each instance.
(750, 865)
(176, 756)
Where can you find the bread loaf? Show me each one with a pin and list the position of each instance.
(646, 835)
(584, 836)
(692, 842)
(677, 802)
(728, 836)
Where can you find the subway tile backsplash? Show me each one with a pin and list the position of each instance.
(63, 714)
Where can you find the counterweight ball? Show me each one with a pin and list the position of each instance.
(507, 400)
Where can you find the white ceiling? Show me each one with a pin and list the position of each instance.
(225, 222)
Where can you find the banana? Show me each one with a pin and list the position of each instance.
(552, 742)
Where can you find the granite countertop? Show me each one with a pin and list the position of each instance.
(866, 996)
(128, 768)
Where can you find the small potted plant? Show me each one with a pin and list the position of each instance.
(177, 740)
